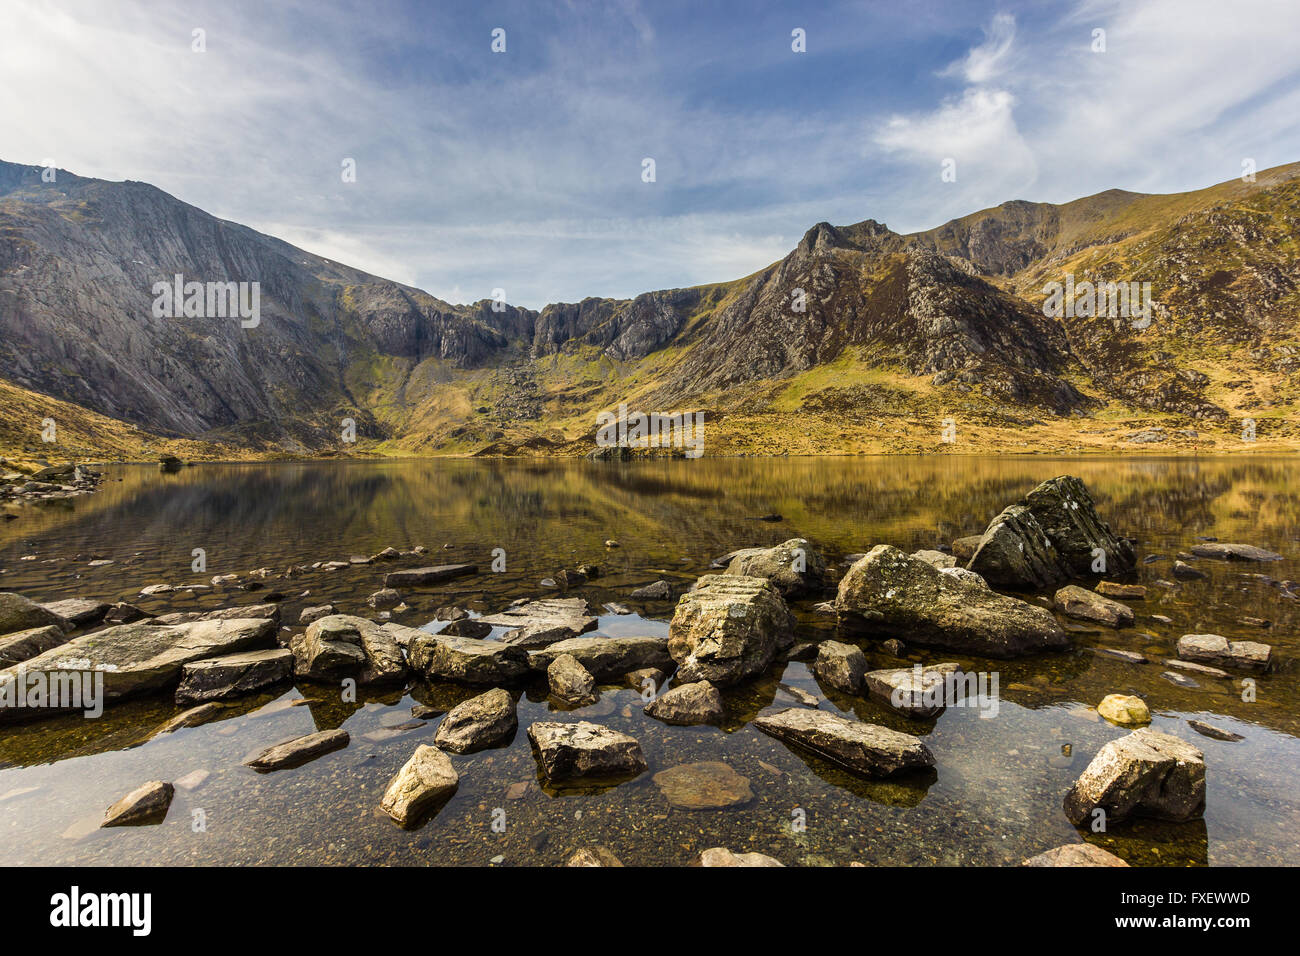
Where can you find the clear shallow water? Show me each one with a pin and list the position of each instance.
(994, 798)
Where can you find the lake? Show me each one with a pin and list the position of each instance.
(993, 798)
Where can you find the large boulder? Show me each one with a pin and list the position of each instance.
(478, 723)
(344, 646)
(1052, 535)
(840, 666)
(140, 658)
(865, 749)
(607, 658)
(467, 660)
(890, 592)
(795, 567)
(728, 629)
(19, 614)
(688, 704)
(424, 784)
(1147, 773)
(217, 678)
(1218, 650)
(540, 623)
(570, 681)
(584, 750)
(24, 645)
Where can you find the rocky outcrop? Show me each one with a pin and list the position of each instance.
(1052, 535)
(865, 749)
(467, 660)
(1082, 604)
(300, 750)
(584, 751)
(889, 592)
(425, 782)
(607, 658)
(487, 720)
(1147, 773)
(1217, 650)
(343, 646)
(539, 623)
(218, 678)
(794, 567)
(728, 629)
(688, 704)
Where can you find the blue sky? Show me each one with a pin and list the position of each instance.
(522, 170)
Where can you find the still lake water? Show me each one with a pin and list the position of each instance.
(994, 797)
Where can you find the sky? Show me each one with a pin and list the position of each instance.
(524, 170)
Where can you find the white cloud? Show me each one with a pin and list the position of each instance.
(986, 61)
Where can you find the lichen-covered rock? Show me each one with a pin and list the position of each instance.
(795, 567)
(891, 592)
(584, 750)
(466, 660)
(608, 658)
(1082, 604)
(1147, 773)
(688, 704)
(570, 681)
(425, 782)
(540, 623)
(865, 749)
(915, 691)
(344, 646)
(480, 722)
(728, 629)
(840, 666)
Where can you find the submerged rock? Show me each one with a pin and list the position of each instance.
(794, 567)
(594, 856)
(425, 782)
(728, 629)
(710, 785)
(1215, 649)
(688, 704)
(1082, 604)
(1234, 552)
(217, 678)
(1052, 535)
(865, 749)
(540, 623)
(1128, 592)
(584, 750)
(480, 722)
(146, 804)
(1075, 854)
(1147, 773)
(721, 856)
(300, 750)
(889, 591)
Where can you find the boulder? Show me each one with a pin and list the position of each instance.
(794, 567)
(584, 751)
(300, 750)
(728, 629)
(864, 749)
(423, 577)
(76, 611)
(1217, 650)
(344, 646)
(1050, 536)
(721, 856)
(1234, 552)
(540, 623)
(658, 591)
(1125, 710)
(425, 782)
(1185, 572)
(24, 645)
(891, 592)
(688, 704)
(840, 666)
(710, 785)
(607, 658)
(1082, 604)
(139, 658)
(466, 660)
(19, 614)
(570, 681)
(1075, 854)
(480, 722)
(312, 614)
(1127, 592)
(935, 558)
(146, 804)
(249, 611)
(1147, 773)
(963, 549)
(915, 691)
(217, 678)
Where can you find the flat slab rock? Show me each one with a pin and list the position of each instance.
(422, 577)
(300, 750)
(1234, 552)
(217, 678)
(585, 750)
(140, 658)
(1215, 649)
(24, 645)
(866, 749)
(711, 785)
(78, 611)
(607, 658)
(425, 782)
(914, 691)
(1075, 854)
(19, 614)
(794, 567)
(891, 592)
(540, 623)
(1147, 773)
(466, 660)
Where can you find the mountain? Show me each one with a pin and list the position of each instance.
(861, 339)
